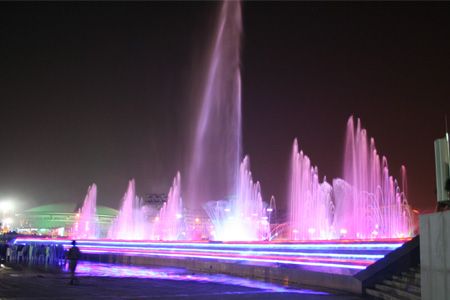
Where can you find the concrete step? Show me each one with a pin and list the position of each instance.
(408, 279)
(415, 269)
(381, 295)
(412, 274)
(402, 294)
(403, 285)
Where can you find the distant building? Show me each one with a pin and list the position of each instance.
(56, 219)
(155, 201)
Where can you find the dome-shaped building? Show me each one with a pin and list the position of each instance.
(58, 218)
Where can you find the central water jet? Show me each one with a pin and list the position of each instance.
(213, 168)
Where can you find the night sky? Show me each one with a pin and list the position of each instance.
(103, 92)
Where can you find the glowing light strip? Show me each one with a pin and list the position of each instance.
(243, 256)
(261, 252)
(293, 254)
(373, 246)
(358, 267)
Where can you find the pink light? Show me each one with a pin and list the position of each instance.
(323, 255)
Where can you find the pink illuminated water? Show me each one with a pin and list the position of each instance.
(311, 206)
(131, 222)
(85, 225)
(213, 169)
(372, 203)
(168, 225)
(366, 203)
(243, 218)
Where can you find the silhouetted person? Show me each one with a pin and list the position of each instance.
(73, 256)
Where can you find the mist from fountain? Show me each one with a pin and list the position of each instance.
(85, 225)
(244, 217)
(367, 203)
(131, 223)
(213, 168)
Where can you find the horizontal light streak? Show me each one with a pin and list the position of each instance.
(239, 256)
(346, 246)
(316, 264)
(291, 254)
(334, 255)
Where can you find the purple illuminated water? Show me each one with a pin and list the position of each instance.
(311, 205)
(131, 222)
(213, 170)
(366, 203)
(86, 221)
(372, 203)
(243, 218)
(86, 268)
(168, 225)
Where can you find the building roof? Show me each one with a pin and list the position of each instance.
(67, 208)
(62, 215)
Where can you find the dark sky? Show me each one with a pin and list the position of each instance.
(102, 92)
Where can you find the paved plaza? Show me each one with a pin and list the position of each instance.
(106, 281)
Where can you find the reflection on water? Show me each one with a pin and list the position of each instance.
(86, 268)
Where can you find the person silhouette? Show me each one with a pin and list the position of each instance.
(73, 256)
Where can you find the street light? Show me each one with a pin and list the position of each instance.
(6, 206)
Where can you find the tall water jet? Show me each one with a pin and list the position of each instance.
(168, 225)
(369, 201)
(244, 217)
(131, 222)
(310, 202)
(216, 151)
(86, 221)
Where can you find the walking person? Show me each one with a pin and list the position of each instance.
(73, 256)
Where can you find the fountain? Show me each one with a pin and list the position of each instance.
(371, 203)
(311, 206)
(367, 203)
(244, 217)
(86, 221)
(168, 225)
(131, 222)
(213, 168)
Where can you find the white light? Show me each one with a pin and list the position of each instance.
(343, 231)
(179, 216)
(6, 206)
(270, 209)
(311, 230)
(8, 221)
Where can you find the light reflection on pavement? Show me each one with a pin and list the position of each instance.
(93, 269)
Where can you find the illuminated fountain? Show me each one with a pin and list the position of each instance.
(369, 201)
(131, 222)
(214, 172)
(311, 206)
(86, 221)
(366, 204)
(243, 218)
(213, 168)
(168, 225)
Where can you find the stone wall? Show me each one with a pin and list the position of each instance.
(435, 256)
